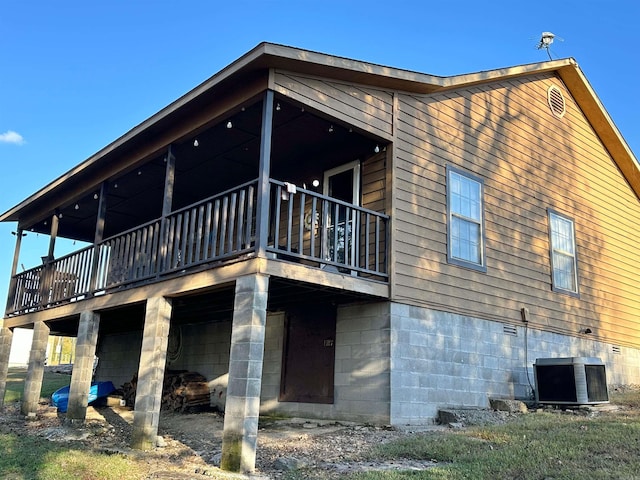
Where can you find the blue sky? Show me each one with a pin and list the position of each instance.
(74, 76)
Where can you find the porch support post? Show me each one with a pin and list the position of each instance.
(169, 180)
(167, 205)
(98, 235)
(54, 234)
(83, 366)
(16, 253)
(35, 371)
(262, 214)
(151, 373)
(11, 300)
(240, 434)
(46, 279)
(6, 337)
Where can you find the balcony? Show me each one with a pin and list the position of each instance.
(303, 227)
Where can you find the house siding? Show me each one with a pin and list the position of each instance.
(374, 183)
(530, 161)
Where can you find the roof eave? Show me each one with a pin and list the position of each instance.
(268, 55)
(13, 213)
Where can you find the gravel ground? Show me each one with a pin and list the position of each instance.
(191, 443)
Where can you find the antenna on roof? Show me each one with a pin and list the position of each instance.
(546, 39)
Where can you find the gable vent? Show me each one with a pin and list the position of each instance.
(555, 98)
(616, 349)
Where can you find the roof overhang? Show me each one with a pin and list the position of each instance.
(267, 56)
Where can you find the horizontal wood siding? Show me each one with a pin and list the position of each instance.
(365, 107)
(530, 161)
(373, 173)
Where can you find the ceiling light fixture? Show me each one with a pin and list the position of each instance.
(229, 124)
(196, 143)
(330, 128)
(277, 107)
(377, 149)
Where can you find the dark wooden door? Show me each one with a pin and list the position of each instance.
(309, 355)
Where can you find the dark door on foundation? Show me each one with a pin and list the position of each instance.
(309, 355)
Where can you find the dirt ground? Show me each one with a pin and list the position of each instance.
(191, 443)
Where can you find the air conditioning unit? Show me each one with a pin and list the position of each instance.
(570, 381)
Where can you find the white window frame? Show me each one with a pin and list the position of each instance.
(460, 216)
(557, 251)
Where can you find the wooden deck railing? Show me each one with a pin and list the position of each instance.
(304, 227)
(310, 227)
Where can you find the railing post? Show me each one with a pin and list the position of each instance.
(262, 211)
(325, 230)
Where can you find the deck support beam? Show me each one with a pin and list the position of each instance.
(6, 337)
(240, 434)
(151, 373)
(83, 366)
(35, 371)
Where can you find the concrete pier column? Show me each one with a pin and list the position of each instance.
(83, 366)
(35, 371)
(242, 408)
(153, 358)
(6, 337)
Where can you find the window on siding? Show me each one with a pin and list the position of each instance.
(465, 216)
(564, 261)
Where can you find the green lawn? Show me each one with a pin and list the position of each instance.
(32, 457)
(15, 384)
(546, 445)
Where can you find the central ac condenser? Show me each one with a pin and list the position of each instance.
(570, 381)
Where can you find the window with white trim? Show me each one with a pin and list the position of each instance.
(564, 261)
(465, 219)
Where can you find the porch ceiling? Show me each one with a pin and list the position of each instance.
(304, 144)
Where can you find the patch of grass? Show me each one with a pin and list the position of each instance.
(536, 446)
(626, 397)
(15, 384)
(37, 458)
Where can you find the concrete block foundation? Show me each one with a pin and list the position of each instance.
(35, 371)
(6, 338)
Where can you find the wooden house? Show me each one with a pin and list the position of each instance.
(325, 237)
